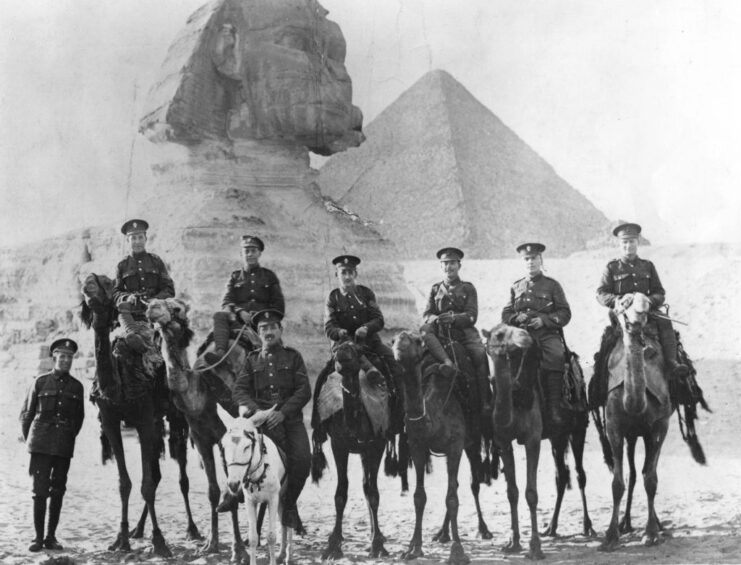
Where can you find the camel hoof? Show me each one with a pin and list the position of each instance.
(535, 554)
(377, 550)
(484, 533)
(609, 545)
(457, 555)
(192, 533)
(120, 544)
(625, 526)
(334, 548)
(412, 553)
(512, 547)
(589, 531)
(137, 533)
(550, 531)
(159, 546)
(650, 540)
(442, 536)
(209, 547)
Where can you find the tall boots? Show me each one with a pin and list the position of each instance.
(668, 340)
(129, 325)
(39, 514)
(553, 390)
(436, 348)
(55, 509)
(221, 339)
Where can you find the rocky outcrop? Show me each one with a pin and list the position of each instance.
(438, 168)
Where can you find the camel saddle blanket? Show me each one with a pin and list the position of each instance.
(375, 400)
(655, 381)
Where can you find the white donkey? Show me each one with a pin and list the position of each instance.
(254, 463)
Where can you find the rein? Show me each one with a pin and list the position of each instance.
(228, 351)
(246, 480)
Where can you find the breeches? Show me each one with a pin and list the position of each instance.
(292, 437)
(552, 350)
(49, 474)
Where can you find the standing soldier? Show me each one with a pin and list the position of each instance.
(139, 277)
(275, 376)
(51, 418)
(452, 310)
(538, 304)
(628, 274)
(351, 312)
(250, 289)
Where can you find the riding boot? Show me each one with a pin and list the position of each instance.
(129, 325)
(372, 373)
(39, 514)
(668, 340)
(553, 388)
(55, 509)
(221, 339)
(436, 348)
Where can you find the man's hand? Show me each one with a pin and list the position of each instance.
(521, 318)
(274, 418)
(245, 316)
(361, 332)
(535, 324)
(244, 412)
(132, 298)
(342, 334)
(445, 319)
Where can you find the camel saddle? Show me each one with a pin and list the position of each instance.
(375, 400)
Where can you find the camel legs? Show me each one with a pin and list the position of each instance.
(192, 532)
(457, 555)
(618, 488)
(419, 456)
(578, 438)
(532, 450)
(653, 443)
(334, 544)
(112, 429)
(138, 531)
(559, 444)
(371, 458)
(513, 495)
(625, 525)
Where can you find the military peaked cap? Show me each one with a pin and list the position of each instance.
(450, 254)
(346, 261)
(530, 248)
(266, 317)
(627, 230)
(253, 241)
(66, 345)
(134, 226)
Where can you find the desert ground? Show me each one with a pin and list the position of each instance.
(698, 505)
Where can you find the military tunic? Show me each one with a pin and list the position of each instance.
(352, 310)
(253, 290)
(541, 297)
(143, 273)
(622, 276)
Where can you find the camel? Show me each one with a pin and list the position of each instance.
(517, 417)
(435, 423)
(638, 407)
(126, 394)
(351, 431)
(256, 466)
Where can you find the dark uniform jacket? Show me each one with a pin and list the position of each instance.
(143, 273)
(622, 277)
(254, 290)
(540, 297)
(458, 297)
(52, 414)
(274, 376)
(349, 311)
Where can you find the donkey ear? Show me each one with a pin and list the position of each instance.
(259, 417)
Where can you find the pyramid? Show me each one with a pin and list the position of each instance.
(438, 168)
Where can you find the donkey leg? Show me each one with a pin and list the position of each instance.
(419, 456)
(625, 524)
(653, 445)
(513, 495)
(371, 459)
(334, 544)
(112, 429)
(558, 448)
(457, 555)
(252, 528)
(578, 438)
(612, 537)
(532, 449)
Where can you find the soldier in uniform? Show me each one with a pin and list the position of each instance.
(139, 277)
(628, 274)
(452, 310)
(538, 304)
(351, 312)
(51, 418)
(275, 376)
(248, 290)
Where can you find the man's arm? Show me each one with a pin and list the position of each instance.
(561, 314)
(244, 388)
(301, 391)
(508, 312)
(470, 314)
(431, 310)
(332, 326)
(276, 295)
(120, 294)
(605, 296)
(229, 301)
(81, 418)
(167, 285)
(376, 322)
(28, 411)
(656, 292)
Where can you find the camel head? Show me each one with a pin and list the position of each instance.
(408, 347)
(347, 358)
(504, 339)
(97, 296)
(635, 314)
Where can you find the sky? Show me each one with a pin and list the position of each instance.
(634, 103)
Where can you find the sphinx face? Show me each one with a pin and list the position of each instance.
(289, 61)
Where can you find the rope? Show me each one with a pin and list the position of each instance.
(228, 351)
